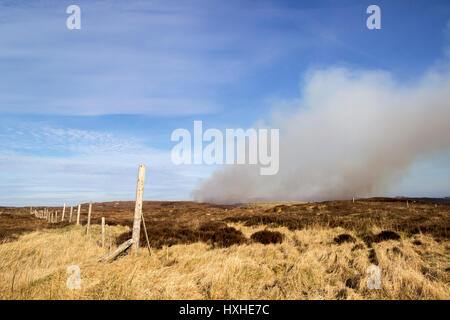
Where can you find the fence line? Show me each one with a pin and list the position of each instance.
(51, 216)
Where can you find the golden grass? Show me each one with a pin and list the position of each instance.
(307, 265)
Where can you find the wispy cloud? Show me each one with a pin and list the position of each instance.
(159, 57)
(32, 137)
(48, 165)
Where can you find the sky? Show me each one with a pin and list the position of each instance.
(81, 109)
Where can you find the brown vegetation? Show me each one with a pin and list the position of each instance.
(267, 237)
(204, 251)
(14, 222)
(344, 238)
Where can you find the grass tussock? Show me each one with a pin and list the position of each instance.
(307, 264)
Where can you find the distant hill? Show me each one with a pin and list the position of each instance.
(444, 200)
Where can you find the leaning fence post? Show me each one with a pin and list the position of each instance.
(103, 232)
(78, 214)
(89, 217)
(70, 216)
(113, 255)
(64, 211)
(138, 209)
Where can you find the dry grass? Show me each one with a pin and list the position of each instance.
(308, 264)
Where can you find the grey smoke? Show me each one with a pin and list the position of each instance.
(350, 133)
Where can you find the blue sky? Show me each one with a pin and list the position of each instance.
(80, 109)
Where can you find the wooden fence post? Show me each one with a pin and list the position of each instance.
(89, 217)
(113, 255)
(56, 216)
(48, 216)
(78, 215)
(70, 216)
(138, 209)
(103, 232)
(64, 211)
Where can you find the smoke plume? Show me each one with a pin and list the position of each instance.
(351, 133)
